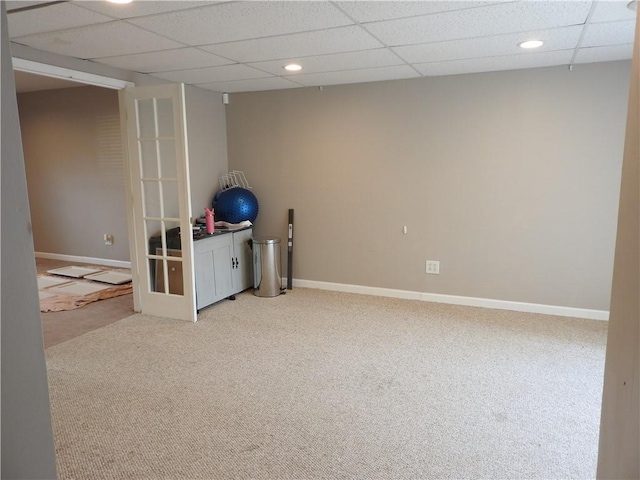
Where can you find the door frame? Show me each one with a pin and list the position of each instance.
(37, 68)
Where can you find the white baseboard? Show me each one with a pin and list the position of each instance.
(456, 300)
(90, 260)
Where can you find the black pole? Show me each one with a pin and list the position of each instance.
(290, 252)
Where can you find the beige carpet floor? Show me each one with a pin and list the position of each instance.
(324, 385)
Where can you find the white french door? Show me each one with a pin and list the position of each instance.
(162, 244)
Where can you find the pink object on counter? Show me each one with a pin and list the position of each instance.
(208, 217)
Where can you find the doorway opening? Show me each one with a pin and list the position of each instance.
(75, 166)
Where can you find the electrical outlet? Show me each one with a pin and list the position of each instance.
(433, 267)
(108, 239)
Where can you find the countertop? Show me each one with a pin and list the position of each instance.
(219, 231)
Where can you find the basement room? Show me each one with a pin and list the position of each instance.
(320, 239)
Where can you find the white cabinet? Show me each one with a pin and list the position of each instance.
(243, 268)
(212, 258)
(223, 266)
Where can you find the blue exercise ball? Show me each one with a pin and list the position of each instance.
(235, 205)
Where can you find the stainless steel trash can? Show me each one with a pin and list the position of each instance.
(267, 280)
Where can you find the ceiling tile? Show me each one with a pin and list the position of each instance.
(242, 45)
(555, 39)
(612, 33)
(213, 74)
(357, 76)
(611, 11)
(13, 4)
(166, 60)
(363, 11)
(321, 42)
(228, 22)
(476, 22)
(604, 54)
(89, 42)
(254, 85)
(507, 62)
(380, 57)
(54, 17)
(139, 8)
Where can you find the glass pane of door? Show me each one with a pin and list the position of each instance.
(160, 198)
(165, 117)
(146, 114)
(168, 159)
(170, 195)
(149, 159)
(152, 203)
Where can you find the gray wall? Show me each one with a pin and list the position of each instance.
(207, 144)
(509, 179)
(75, 171)
(619, 454)
(27, 437)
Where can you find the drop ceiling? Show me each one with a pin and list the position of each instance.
(242, 46)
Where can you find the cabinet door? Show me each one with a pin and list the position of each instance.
(243, 270)
(214, 279)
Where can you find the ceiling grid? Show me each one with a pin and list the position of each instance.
(240, 46)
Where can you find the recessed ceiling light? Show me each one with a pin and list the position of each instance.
(531, 44)
(293, 67)
(119, 1)
(633, 5)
